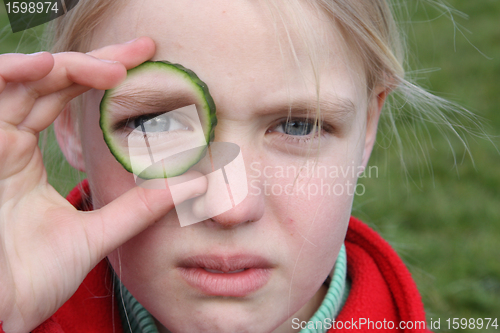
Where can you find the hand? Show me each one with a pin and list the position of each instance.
(47, 247)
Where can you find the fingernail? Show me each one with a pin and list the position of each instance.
(132, 40)
(109, 61)
(195, 195)
(36, 54)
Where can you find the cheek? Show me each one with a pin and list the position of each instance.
(316, 215)
(316, 194)
(312, 226)
(146, 255)
(312, 209)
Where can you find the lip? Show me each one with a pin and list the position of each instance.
(256, 273)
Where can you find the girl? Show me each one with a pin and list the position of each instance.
(295, 83)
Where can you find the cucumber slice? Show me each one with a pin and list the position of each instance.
(155, 96)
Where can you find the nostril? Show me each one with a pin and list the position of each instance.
(224, 223)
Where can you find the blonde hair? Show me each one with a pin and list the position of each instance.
(369, 28)
(74, 30)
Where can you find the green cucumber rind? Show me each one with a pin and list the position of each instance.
(209, 108)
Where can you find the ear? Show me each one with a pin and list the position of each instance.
(375, 106)
(68, 137)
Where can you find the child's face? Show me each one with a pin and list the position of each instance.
(232, 46)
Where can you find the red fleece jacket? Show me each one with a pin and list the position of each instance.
(381, 289)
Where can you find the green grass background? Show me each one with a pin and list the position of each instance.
(441, 208)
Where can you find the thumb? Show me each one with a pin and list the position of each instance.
(112, 225)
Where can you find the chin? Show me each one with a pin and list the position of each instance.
(224, 315)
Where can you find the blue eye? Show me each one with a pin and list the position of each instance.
(296, 127)
(156, 123)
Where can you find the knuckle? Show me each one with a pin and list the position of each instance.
(31, 92)
(62, 99)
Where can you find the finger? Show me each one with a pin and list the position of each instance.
(130, 54)
(79, 68)
(134, 211)
(17, 67)
(17, 100)
(45, 109)
(86, 70)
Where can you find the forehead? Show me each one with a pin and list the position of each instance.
(243, 48)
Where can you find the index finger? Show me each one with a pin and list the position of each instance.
(68, 70)
(74, 74)
(144, 48)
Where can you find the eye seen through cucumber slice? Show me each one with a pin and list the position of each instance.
(159, 121)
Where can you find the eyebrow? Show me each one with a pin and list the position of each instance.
(145, 101)
(334, 109)
(141, 102)
(156, 98)
(340, 106)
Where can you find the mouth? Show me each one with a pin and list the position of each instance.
(222, 272)
(229, 276)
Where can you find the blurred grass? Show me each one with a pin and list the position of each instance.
(445, 220)
(443, 214)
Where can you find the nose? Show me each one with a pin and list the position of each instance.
(228, 201)
(251, 209)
